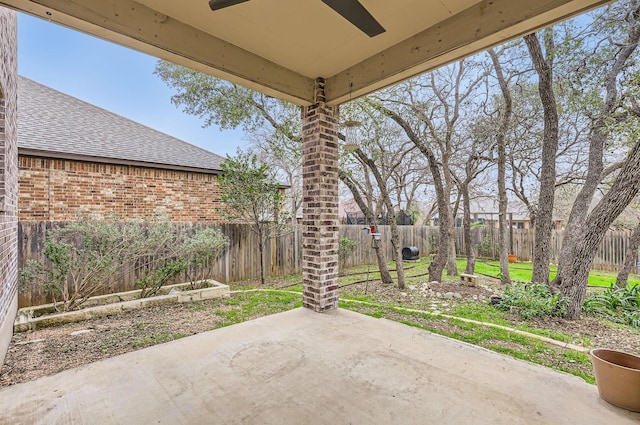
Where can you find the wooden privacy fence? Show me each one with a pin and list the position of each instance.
(283, 256)
(609, 257)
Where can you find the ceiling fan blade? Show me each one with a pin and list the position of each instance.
(221, 4)
(355, 13)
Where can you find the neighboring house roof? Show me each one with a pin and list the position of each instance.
(486, 207)
(349, 207)
(54, 124)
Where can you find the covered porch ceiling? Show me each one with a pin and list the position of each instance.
(281, 46)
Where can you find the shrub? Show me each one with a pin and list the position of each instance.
(84, 257)
(159, 258)
(486, 249)
(174, 254)
(200, 250)
(532, 300)
(345, 248)
(620, 305)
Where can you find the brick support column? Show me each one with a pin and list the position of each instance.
(8, 178)
(320, 203)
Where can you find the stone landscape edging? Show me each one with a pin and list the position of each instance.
(106, 305)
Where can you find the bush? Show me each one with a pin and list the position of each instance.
(486, 249)
(620, 305)
(532, 300)
(84, 257)
(200, 250)
(173, 254)
(345, 248)
(159, 259)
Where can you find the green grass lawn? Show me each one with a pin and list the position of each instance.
(523, 272)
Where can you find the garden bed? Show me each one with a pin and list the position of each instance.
(31, 318)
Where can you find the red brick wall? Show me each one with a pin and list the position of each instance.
(8, 178)
(58, 189)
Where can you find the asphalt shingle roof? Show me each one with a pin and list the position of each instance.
(51, 121)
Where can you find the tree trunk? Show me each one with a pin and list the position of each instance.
(469, 249)
(503, 228)
(397, 248)
(452, 266)
(532, 219)
(437, 265)
(630, 257)
(385, 275)
(503, 238)
(573, 281)
(544, 220)
(261, 249)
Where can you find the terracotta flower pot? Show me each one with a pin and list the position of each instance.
(513, 258)
(618, 377)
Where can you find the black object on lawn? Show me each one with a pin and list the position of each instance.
(410, 253)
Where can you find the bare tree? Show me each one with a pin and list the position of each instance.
(474, 166)
(432, 110)
(395, 238)
(410, 178)
(501, 136)
(544, 218)
(573, 282)
(437, 265)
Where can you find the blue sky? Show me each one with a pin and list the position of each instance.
(113, 77)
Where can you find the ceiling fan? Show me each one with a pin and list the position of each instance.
(351, 10)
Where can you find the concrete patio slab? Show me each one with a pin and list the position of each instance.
(301, 367)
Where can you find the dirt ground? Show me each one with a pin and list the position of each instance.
(48, 351)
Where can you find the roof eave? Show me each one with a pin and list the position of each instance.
(115, 161)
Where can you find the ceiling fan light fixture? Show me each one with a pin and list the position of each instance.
(221, 4)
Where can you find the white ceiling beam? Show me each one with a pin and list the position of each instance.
(477, 28)
(136, 26)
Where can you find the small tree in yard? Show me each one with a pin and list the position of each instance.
(250, 194)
